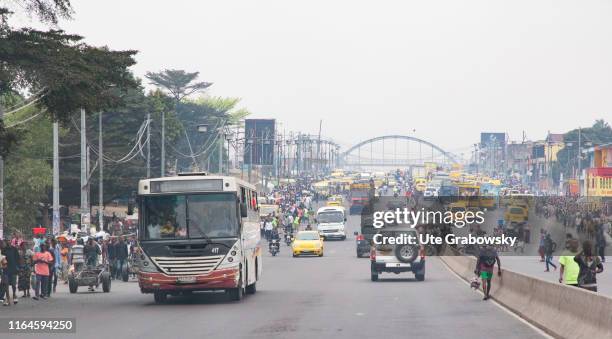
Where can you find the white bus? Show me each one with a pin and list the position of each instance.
(198, 233)
(331, 221)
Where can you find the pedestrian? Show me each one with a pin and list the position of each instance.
(11, 255)
(54, 266)
(3, 276)
(549, 248)
(112, 257)
(569, 270)
(121, 253)
(484, 268)
(91, 251)
(17, 239)
(590, 265)
(268, 228)
(41, 268)
(25, 270)
(64, 255)
(541, 246)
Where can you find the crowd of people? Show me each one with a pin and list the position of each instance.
(295, 212)
(40, 263)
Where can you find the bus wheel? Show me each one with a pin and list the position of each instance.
(251, 289)
(236, 294)
(160, 297)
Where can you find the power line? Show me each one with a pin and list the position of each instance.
(26, 120)
(25, 106)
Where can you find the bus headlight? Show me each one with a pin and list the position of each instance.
(232, 259)
(145, 265)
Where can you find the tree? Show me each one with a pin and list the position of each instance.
(28, 171)
(47, 10)
(178, 83)
(65, 73)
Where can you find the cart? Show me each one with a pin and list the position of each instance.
(91, 276)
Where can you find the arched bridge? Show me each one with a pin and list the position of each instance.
(395, 151)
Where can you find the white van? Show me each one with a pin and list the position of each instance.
(331, 221)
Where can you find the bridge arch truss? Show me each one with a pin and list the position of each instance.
(398, 151)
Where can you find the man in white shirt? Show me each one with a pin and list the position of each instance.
(268, 228)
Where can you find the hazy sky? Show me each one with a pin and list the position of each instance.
(448, 69)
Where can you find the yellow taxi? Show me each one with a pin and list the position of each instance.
(307, 242)
(516, 214)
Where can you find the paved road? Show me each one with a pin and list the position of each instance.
(323, 297)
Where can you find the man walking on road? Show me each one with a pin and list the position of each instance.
(484, 268)
(121, 253)
(11, 255)
(549, 248)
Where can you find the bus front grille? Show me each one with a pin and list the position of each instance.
(180, 266)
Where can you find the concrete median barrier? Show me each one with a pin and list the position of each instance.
(561, 311)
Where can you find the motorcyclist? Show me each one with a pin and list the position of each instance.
(274, 239)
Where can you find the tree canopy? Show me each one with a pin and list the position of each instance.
(178, 83)
(63, 73)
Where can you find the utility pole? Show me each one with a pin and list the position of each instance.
(101, 180)
(148, 145)
(84, 190)
(163, 143)
(1, 184)
(579, 158)
(318, 168)
(221, 137)
(250, 142)
(56, 211)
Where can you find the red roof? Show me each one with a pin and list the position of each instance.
(600, 171)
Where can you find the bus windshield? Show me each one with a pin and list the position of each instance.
(329, 217)
(211, 215)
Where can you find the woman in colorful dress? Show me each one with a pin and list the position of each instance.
(25, 270)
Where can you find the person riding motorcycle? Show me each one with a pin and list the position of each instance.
(274, 240)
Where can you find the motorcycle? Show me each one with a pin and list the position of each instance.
(288, 239)
(274, 247)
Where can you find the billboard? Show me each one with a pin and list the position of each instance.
(490, 139)
(259, 135)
